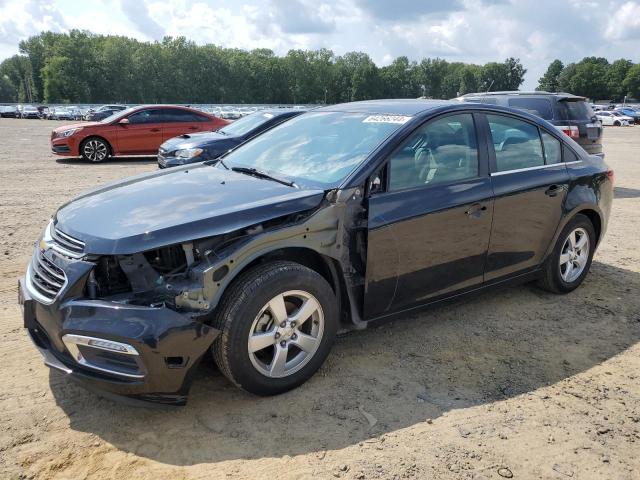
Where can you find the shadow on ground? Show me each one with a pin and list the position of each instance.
(110, 161)
(496, 346)
(622, 192)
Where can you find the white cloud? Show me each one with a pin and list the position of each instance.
(624, 24)
(477, 31)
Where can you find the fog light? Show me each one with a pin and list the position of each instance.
(107, 345)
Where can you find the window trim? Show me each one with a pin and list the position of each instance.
(483, 170)
(493, 170)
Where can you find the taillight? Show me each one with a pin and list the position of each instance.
(610, 176)
(570, 130)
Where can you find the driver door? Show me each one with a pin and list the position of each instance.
(429, 226)
(142, 135)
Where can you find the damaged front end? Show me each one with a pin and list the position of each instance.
(137, 324)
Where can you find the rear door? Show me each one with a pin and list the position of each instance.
(142, 135)
(429, 227)
(529, 182)
(178, 121)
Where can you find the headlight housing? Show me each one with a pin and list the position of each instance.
(188, 152)
(68, 133)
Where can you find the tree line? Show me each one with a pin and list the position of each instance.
(81, 67)
(594, 78)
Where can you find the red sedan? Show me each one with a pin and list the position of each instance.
(135, 131)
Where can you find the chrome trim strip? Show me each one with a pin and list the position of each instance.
(528, 169)
(65, 252)
(65, 244)
(72, 341)
(71, 240)
(50, 270)
(33, 291)
(84, 340)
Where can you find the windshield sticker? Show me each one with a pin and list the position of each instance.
(400, 119)
(267, 115)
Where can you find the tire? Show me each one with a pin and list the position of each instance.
(245, 310)
(567, 276)
(95, 149)
(616, 124)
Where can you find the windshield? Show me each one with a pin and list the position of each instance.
(246, 124)
(320, 148)
(115, 115)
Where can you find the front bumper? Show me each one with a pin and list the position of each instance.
(168, 345)
(66, 146)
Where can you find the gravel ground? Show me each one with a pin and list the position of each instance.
(517, 383)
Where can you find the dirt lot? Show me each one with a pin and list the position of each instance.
(517, 383)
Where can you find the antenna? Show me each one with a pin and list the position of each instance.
(488, 90)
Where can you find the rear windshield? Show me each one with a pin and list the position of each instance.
(540, 107)
(574, 110)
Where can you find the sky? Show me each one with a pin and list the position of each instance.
(478, 31)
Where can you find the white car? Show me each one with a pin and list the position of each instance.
(608, 118)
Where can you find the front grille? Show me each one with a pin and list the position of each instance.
(46, 278)
(66, 244)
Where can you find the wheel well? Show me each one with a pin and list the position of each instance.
(327, 267)
(594, 217)
(99, 138)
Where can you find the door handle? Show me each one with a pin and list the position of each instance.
(193, 128)
(476, 210)
(554, 190)
(154, 130)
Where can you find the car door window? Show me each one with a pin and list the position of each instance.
(443, 150)
(145, 116)
(552, 148)
(178, 115)
(516, 143)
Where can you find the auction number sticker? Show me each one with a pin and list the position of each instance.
(400, 119)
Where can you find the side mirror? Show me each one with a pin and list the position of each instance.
(124, 121)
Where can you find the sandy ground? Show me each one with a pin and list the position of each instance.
(517, 383)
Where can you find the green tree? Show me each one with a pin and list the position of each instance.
(550, 81)
(615, 78)
(632, 81)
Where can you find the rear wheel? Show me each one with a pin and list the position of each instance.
(571, 258)
(616, 123)
(95, 150)
(278, 322)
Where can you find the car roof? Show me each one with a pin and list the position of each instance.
(404, 106)
(535, 93)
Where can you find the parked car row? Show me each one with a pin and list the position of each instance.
(328, 219)
(41, 112)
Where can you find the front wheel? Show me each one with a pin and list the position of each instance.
(571, 258)
(94, 150)
(278, 322)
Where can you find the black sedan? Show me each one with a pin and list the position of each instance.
(334, 219)
(198, 147)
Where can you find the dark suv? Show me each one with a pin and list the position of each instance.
(569, 113)
(335, 219)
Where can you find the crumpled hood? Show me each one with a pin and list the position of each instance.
(193, 140)
(177, 205)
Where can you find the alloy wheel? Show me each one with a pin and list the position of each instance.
(95, 150)
(286, 334)
(574, 255)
